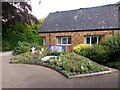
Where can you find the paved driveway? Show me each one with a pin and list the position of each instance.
(32, 76)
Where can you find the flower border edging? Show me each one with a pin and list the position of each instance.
(91, 74)
(69, 77)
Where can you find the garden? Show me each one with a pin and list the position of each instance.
(67, 63)
(83, 59)
(106, 53)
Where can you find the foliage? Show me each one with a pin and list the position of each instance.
(81, 64)
(54, 53)
(79, 47)
(113, 43)
(6, 46)
(29, 57)
(18, 24)
(104, 52)
(98, 53)
(115, 64)
(26, 57)
(17, 12)
(22, 47)
(118, 5)
(37, 46)
(70, 64)
(20, 32)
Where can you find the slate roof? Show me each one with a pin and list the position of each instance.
(101, 17)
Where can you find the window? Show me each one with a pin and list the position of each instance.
(44, 41)
(91, 40)
(63, 40)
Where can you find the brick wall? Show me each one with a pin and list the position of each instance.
(76, 37)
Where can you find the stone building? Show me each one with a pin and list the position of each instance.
(84, 25)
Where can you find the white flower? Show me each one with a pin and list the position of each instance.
(40, 53)
(82, 67)
(42, 49)
(33, 50)
(59, 60)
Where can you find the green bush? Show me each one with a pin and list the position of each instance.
(98, 53)
(115, 64)
(104, 52)
(6, 46)
(86, 52)
(37, 46)
(54, 53)
(114, 47)
(22, 47)
(20, 32)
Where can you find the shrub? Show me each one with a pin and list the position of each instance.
(21, 47)
(86, 51)
(79, 47)
(37, 46)
(99, 53)
(107, 52)
(6, 46)
(114, 47)
(55, 53)
(115, 64)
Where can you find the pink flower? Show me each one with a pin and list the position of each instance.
(72, 59)
(67, 52)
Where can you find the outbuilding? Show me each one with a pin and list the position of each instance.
(80, 26)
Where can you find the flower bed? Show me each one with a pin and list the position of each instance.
(70, 64)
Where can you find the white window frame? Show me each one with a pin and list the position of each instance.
(85, 40)
(44, 41)
(61, 38)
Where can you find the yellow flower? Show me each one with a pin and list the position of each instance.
(79, 47)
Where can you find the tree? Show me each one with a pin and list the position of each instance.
(118, 4)
(18, 24)
(13, 12)
(24, 33)
(17, 12)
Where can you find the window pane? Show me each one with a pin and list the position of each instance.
(87, 40)
(44, 41)
(99, 39)
(64, 40)
(69, 40)
(58, 40)
(93, 39)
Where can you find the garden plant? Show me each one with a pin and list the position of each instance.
(68, 63)
(106, 53)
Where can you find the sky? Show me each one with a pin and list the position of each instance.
(48, 6)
